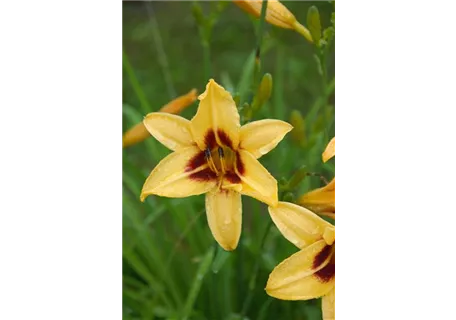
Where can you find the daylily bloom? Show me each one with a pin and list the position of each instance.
(213, 154)
(276, 14)
(309, 273)
(330, 150)
(321, 200)
(138, 133)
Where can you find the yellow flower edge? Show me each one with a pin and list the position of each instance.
(330, 150)
(321, 200)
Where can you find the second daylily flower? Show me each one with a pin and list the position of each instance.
(213, 154)
(309, 273)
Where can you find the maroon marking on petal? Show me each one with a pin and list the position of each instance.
(239, 165)
(195, 162)
(232, 177)
(327, 273)
(203, 175)
(321, 256)
(209, 139)
(224, 138)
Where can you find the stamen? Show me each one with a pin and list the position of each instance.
(219, 186)
(222, 160)
(210, 162)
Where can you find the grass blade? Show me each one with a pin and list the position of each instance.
(197, 282)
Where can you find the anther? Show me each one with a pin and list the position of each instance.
(207, 153)
(222, 160)
(210, 162)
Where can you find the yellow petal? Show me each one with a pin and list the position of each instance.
(328, 303)
(171, 130)
(321, 200)
(217, 115)
(257, 182)
(183, 173)
(299, 225)
(297, 277)
(260, 137)
(330, 150)
(224, 216)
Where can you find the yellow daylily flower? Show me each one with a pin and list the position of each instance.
(213, 154)
(139, 132)
(330, 150)
(321, 200)
(276, 14)
(309, 273)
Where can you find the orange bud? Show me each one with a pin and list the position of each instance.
(276, 14)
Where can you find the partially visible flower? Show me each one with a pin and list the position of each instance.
(276, 14)
(321, 200)
(213, 154)
(330, 150)
(138, 133)
(309, 273)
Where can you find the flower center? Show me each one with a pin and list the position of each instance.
(220, 160)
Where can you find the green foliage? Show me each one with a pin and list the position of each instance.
(171, 269)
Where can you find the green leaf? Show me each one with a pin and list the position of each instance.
(220, 258)
(135, 83)
(246, 78)
(204, 266)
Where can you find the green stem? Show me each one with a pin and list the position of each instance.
(207, 59)
(256, 268)
(135, 84)
(256, 74)
(162, 59)
(322, 57)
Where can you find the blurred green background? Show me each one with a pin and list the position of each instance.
(172, 267)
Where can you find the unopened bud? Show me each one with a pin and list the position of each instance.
(198, 14)
(289, 197)
(276, 14)
(263, 93)
(299, 132)
(314, 25)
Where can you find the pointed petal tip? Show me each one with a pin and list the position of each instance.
(228, 247)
